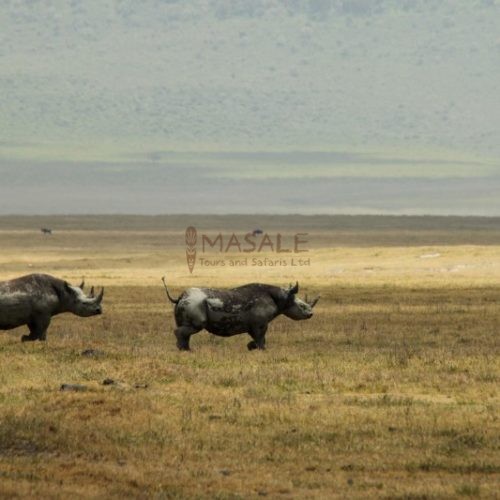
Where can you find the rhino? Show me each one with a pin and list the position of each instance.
(246, 309)
(32, 300)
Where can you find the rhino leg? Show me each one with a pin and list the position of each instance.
(258, 341)
(183, 334)
(28, 338)
(38, 329)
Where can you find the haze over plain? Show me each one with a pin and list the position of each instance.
(308, 106)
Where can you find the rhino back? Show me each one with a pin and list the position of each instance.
(235, 311)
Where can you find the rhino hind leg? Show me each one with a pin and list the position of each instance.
(38, 330)
(183, 334)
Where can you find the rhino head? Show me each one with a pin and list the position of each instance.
(77, 302)
(296, 308)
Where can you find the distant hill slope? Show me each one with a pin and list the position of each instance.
(408, 75)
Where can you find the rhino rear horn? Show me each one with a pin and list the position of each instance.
(91, 294)
(81, 285)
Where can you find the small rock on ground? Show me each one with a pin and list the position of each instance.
(92, 353)
(73, 387)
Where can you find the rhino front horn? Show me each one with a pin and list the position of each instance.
(98, 299)
(315, 301)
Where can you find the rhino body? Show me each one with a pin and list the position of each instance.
(246, 309)
(32, 300)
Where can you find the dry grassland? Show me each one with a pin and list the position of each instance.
(391, 390)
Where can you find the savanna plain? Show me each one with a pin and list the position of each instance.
(391, 390)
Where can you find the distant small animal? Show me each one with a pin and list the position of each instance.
(255, 232)
(246, 309)
(32, 300)
(46, 230)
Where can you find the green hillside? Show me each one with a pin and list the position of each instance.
(420, 77)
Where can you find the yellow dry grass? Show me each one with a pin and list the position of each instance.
(391, 390)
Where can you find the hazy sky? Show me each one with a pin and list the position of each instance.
(311, 106)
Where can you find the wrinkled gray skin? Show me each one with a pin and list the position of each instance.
(32, 300)
(246, 309)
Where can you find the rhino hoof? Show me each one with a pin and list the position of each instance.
(252, 345)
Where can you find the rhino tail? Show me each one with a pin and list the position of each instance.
(174, 301)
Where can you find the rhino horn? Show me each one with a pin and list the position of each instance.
(98, 299)
(315, 301)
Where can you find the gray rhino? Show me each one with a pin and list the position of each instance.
(32, 300)
(246, 309)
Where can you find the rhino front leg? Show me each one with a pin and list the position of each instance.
(258, 335)
(183, 334)
(38, 329)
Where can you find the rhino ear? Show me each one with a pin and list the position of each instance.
(81, 285)
(293, 289)
(68, 289)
